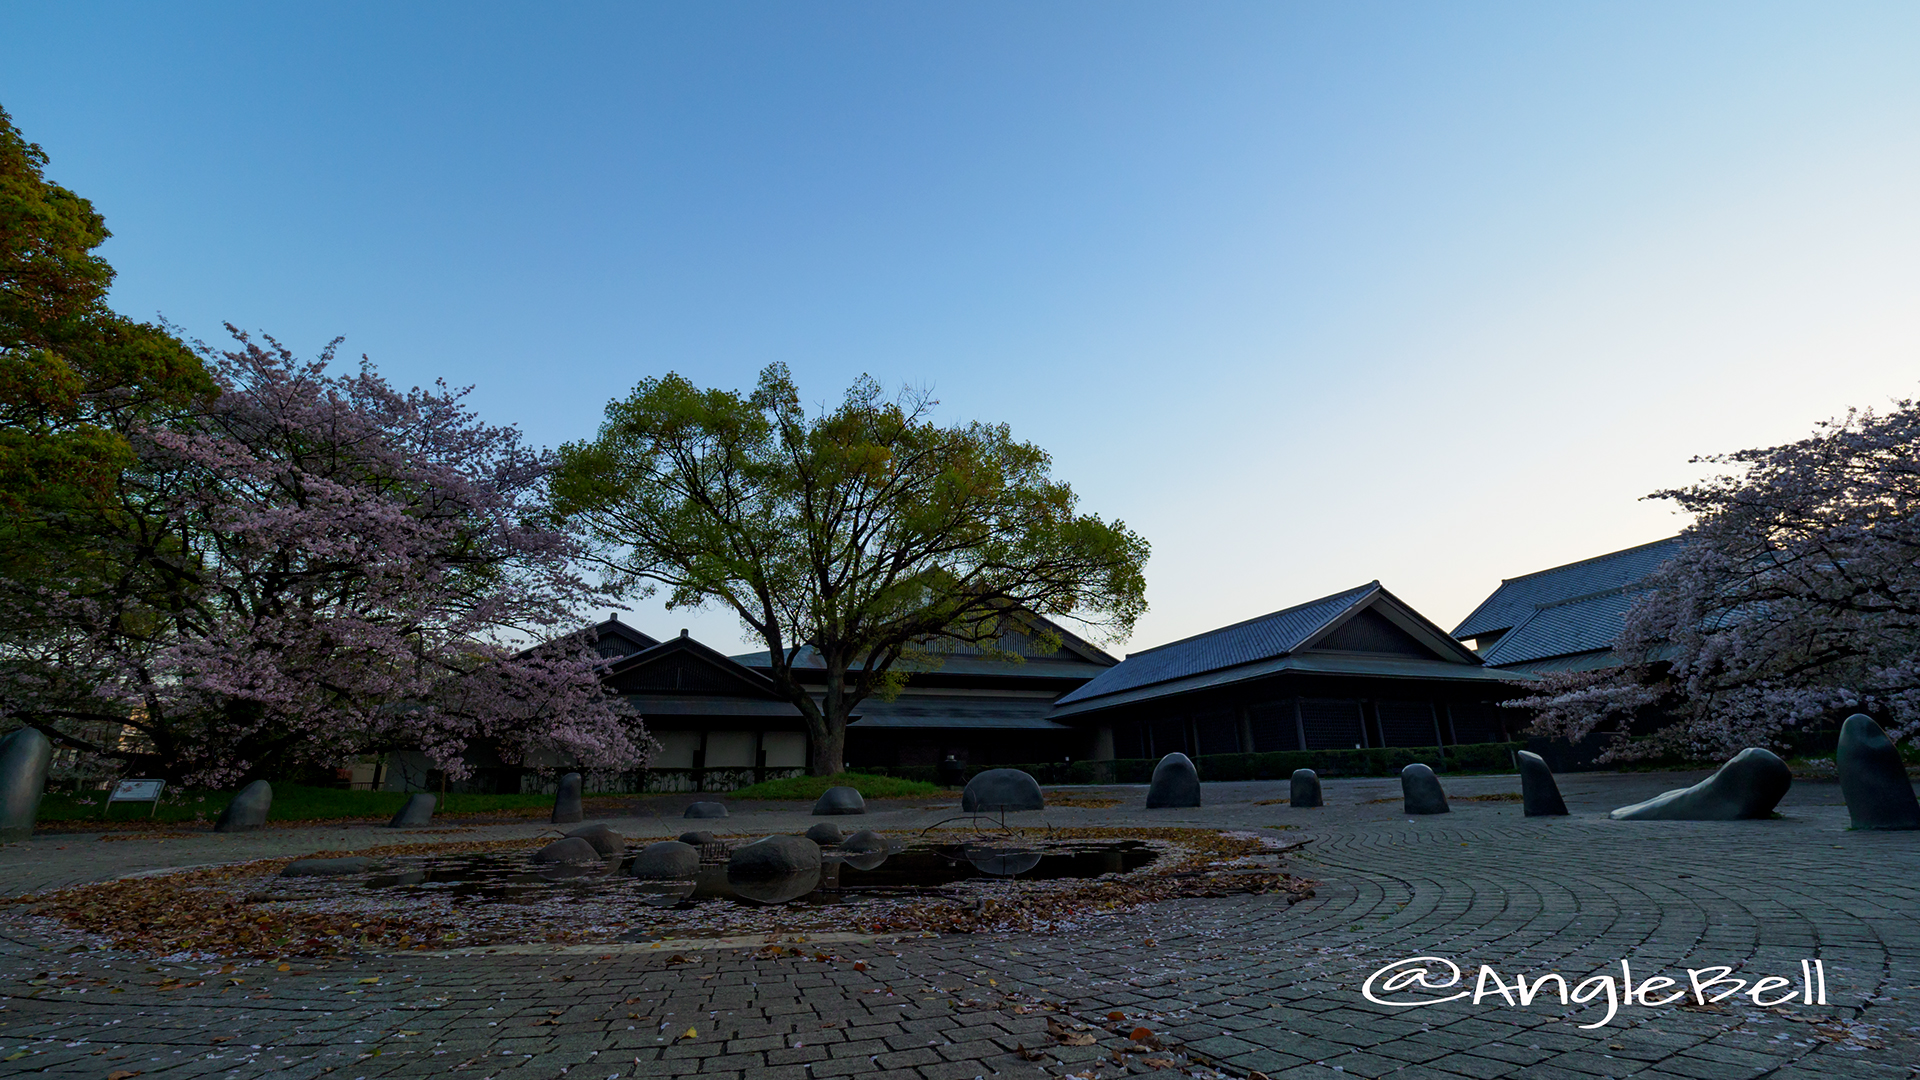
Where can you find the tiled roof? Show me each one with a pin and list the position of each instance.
(1516, 599)
(1581, 625)
(1242, 643)
(942, 711)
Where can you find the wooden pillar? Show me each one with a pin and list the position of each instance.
(1246, 730)
(1437, 740)
(1299, 723)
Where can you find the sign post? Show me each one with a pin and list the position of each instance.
(136, 791)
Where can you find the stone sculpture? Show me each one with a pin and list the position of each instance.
(418, 811)
(773, 856)
(840, 800)
(351, 864)
(24, 758)
(1420, 791)
(602, 837)
(668, 860)
(1873, 779)
(567, 849)
(698, 837)
(824, 833)
(567, 808)
(864, 850)
(1001, 790)
(1749, 786)
(1306, 789)
(1539, 795)
(248, 810)
(1176, 783)
(706, 810)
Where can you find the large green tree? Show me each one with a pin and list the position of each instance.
(865, 533)
(73, 374)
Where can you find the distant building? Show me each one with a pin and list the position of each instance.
(1564, 618)
(1359, 668)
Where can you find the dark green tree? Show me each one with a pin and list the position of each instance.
(865, 533)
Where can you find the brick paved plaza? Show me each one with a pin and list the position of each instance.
(1233, 986)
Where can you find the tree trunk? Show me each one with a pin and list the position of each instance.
(829, 748)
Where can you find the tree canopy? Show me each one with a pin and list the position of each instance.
(1795, 599)
(865, 532)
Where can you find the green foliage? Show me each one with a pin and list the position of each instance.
(869, 785)
(291, 802)
(863, 535)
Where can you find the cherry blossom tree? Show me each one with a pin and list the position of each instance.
(1795, 600)
(311, 567)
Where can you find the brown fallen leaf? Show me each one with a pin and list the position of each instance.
(1140, 1034)
(122, 1074)
(1116, 1016)
(1068, 1037)
(1029, 1055)
(1157, 1063)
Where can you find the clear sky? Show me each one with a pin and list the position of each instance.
(1308, 294)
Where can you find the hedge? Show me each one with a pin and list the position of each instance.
(1278, 765)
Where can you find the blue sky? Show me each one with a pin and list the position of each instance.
(1307, 294)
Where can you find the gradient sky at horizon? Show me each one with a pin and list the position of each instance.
(1307, 294)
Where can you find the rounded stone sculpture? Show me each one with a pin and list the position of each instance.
(602, 837)
(24, 758)
(1175, 783)
(1002, 789)
(773, 856)
(1749, 786)
(567, 849)
(1305, 790)
(418, 811)
(567, 807)
(864, 840)
(826, 832)
(697, 837)
(706, 810)
(840, 800)
(1420, 791)
(352, 864)
(1873, 779)
(1001, 862)
(1539, 795)
(668, 860)
(248, 810)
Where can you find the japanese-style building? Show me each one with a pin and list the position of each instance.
(1359, 668)
(1563, 618)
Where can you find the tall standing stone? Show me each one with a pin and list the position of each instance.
(248, 810)
(1749, 786)
(1305, 789)
(1420, 791)
(1176, 783)
(417, 812)
(24, 757)
(1873, 779)
(1539, 795)
(566, 803)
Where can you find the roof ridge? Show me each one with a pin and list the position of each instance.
(1591, 559)
(1374, 584)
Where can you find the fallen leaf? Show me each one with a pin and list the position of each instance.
(364, 982)
(1157, 1063)
(691, 1033)
(859, 965)
(1140, 1034)
(119, 1074)
(1030, 1055)
(1116, 1017)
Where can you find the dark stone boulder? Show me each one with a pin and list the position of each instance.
(840, 800)
(1873, 779)
(698, 837)
(773, 856)
(706, 810)
(1749, 786)
(352, 864)
(1306, 789)
(1539, 795)
(567, 849)
(824, 833)
(567, 807)
(25, 757)
(1175, 783)
(1420, 791)
(668, 860)
(1002, 789)
(248, 810)
(602, 837)
(776, 889)
(418, 811)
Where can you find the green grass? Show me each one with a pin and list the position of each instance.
(291, 802)
(812, 787)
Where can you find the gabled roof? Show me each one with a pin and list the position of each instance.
(1076, 657)
(1515, 601)
(613, 638)
(1274, 642)
(1582, 625)
(718, 674)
